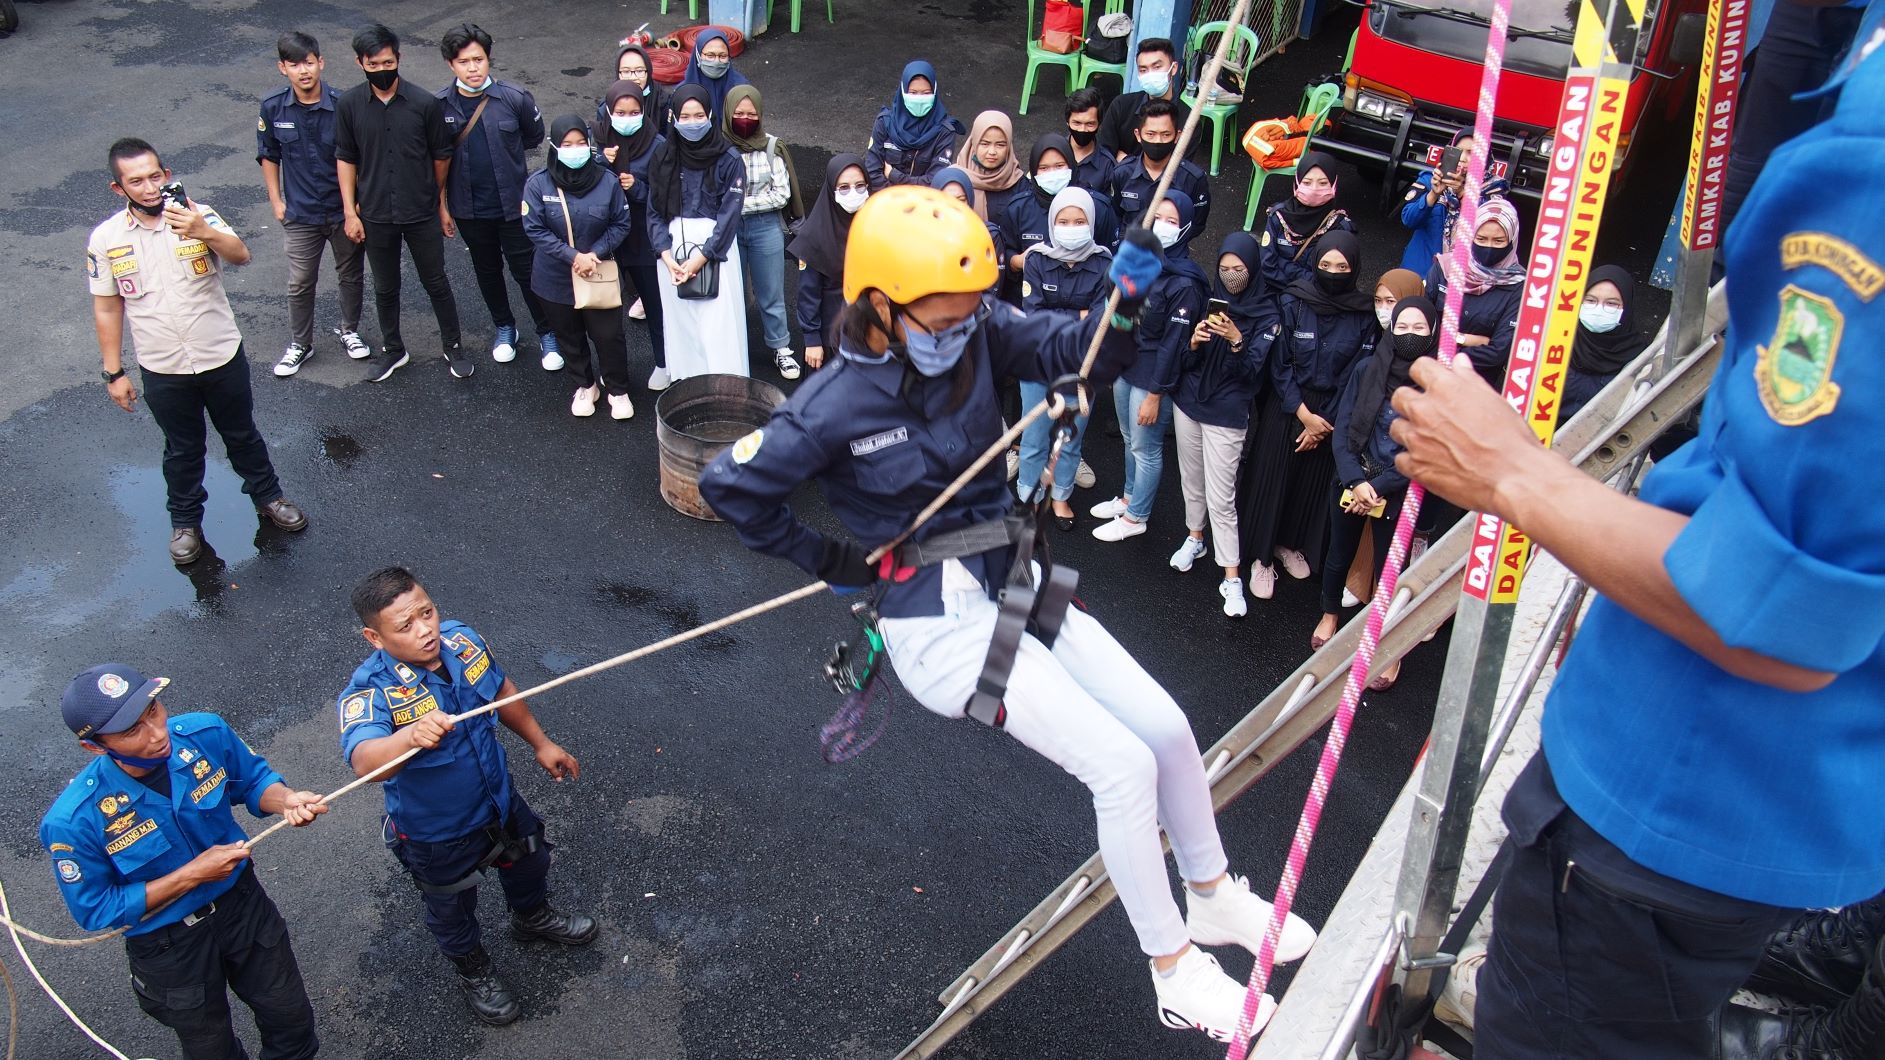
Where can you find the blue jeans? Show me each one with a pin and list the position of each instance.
(1037, 439)
(762, 251)
(1145, 447)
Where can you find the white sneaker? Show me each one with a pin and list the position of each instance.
(504, 345)
(1294, 563)
(357, 347)
(1199, 996)
(636, 312)
(1187, 553)
(788, 364)
(292, 359)
(1232, 590)
(1461, 993)
(620, 407)
(1232, 915)
(552, 361)
(1112, 509)
(1262, 581)
(1084, 477)
(1118, 529)
(659, 380)
(1014, 464)
(1349, 599)
(584, 403)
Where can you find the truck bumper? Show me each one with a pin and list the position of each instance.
(1398, 150)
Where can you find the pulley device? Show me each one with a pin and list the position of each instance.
(844, 737)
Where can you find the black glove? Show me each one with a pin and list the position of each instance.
(844, 565)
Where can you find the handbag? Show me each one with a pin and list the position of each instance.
(704, 284)
(1060, 28)
(601, 290)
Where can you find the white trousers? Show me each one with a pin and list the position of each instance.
(1089, 708)
(1208, 458)
(706, 336)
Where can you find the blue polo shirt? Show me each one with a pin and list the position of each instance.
(464, 783)
(108, 834)
(299, 138)
(1726, 784)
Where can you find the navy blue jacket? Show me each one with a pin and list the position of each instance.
(883, 441)
(1024, 222)
(1316, 354)
(1133, 188)
(1376, 465)
(820, 300)
(1095, 172)
(1055, 286)
(729, 175)
(1494, 313)
(635, 249)
(1216, 384)
(300, 139)
(1172, 309)
(510, 127)
(600, 219)
(1281, 264)
(906, 166)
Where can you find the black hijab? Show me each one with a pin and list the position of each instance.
(1178, 255)
(1254, 309)
(677, 152)
(654, 99)
(1388, 370)
(1354, 300)
(581, 180)
(1042, 144)
(628, 148)
(822, 235)
(1304, 220)
(1605, 353)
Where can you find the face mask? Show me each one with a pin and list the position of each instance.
(743, 126)
(1083, 137)
(1599, 318)
(135, 762)
(1334, 283)
(1234, 282)
(1315, 196)
(628, 126)
(573, 157)
(1054, 181)
(918, 105)
(1167, 233)
(693, 131)
(933, 355)
(1156, 84)
(1407, 344)
(715, 68)
(1489, 256)
(1383, 313)
(1073, 237)
(462, 87)
(1157, 152)
(382, 79)
(148, 211)
(850, 201)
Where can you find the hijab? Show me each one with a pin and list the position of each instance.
(795, 207)
(716, 87)
(1404, 283)
(584, 178)
(1605, 353)
(942, 178)
(908, 131)
(1051, 142)
(1304, 220)
(676, 153)
(1355, 300)
(822, 235)
(1002, 178)
(654, 100)
(1254, 306)
(1082, 200)
(1388, 370)
(628, 148)
(1178, 255)
(1509, 270)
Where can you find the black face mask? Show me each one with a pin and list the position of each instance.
(148, 211)
(1157, 152)
(1409, 345)
(382, 79)
(1334, 283)
(1489, 256)
(1083, 137)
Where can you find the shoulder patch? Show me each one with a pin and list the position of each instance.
(60, 847)
(1836, 256)
(1266, 237)
(1794, 371)
(525, 207)
(748, 447)
(69, 871)
(261, 125)
(91, 265)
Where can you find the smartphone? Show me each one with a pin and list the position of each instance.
(1380, 509)
(173, 194)
(1450, 161)
(1216, 306)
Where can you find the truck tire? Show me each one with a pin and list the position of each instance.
(9, 18)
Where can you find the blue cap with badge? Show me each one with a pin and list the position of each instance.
(108, 698)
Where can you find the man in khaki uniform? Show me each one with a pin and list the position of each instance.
(158, 264)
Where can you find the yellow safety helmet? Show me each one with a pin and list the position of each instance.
(909, 241)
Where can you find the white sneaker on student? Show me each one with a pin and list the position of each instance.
(1349, 599)
(584, 403)
(1262, 581)
(636, 312)
(621, 407)
(1014, 464)
(292, 359)
(788, 365)
(357, 347)
(1187, 553)
(1112, 509)
(1461, 995)
(1197, 995)
(1234, 916)
(1084, 477)
(659, 380)
(1294, 563)
(1118, 529)
(1232, 590)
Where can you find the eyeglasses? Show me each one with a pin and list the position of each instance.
(954, 332)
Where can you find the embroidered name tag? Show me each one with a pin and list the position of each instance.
(867, 446)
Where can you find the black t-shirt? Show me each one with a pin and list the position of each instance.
(158, 780)
(475, 155)
(393, 145)
(1119, 128)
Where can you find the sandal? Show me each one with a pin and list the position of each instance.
(1385, 681)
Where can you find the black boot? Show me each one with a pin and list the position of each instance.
(1853, 1030)
(490, 999)
(571, 929)
(1820, 959)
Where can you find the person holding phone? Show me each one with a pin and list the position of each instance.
(1432, 202)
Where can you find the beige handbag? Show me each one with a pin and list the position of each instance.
(600, 291)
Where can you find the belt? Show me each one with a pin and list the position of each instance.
(245, 882)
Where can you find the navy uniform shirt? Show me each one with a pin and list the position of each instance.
(489, 168)
(1055, 286)
(109, 834)
(1095, 171)
(1023, 223)
(1739, 787)
(1492, 313)
(1317, 352)
(883, 442)
(299, 138)
(464, 783)
(1133, 189)
(1284, 261)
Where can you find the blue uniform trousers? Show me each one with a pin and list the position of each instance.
(453, 918)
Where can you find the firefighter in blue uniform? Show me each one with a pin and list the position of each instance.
(451, 811)
(143, 839)
(908, 404)
(1713, 746)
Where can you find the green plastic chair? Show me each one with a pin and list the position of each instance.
(1089, 65)
(1242, 56)
(1039, 56)
(1316, 102)
(829, 17)
(693, 9)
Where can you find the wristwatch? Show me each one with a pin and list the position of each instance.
(111, 377)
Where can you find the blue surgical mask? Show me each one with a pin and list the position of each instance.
(1073, 237)
(932, 355)
(628, 126)
(918, 105)
(693, 131)
(1600, 318)
(1054, 181)
(1157, 83)
(468, 90)
(573, 157)
(715, 68)
(135, 762)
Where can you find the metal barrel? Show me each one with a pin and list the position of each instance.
(698, 417)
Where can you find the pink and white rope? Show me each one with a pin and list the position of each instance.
(1455, 266)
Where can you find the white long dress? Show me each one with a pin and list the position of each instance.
(704, 335)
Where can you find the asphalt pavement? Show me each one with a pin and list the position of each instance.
(754, 900)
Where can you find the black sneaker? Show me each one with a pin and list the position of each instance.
(387, 363)
(292, 359)
(461, 365)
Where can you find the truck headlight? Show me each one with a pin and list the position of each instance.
(1379, 107)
